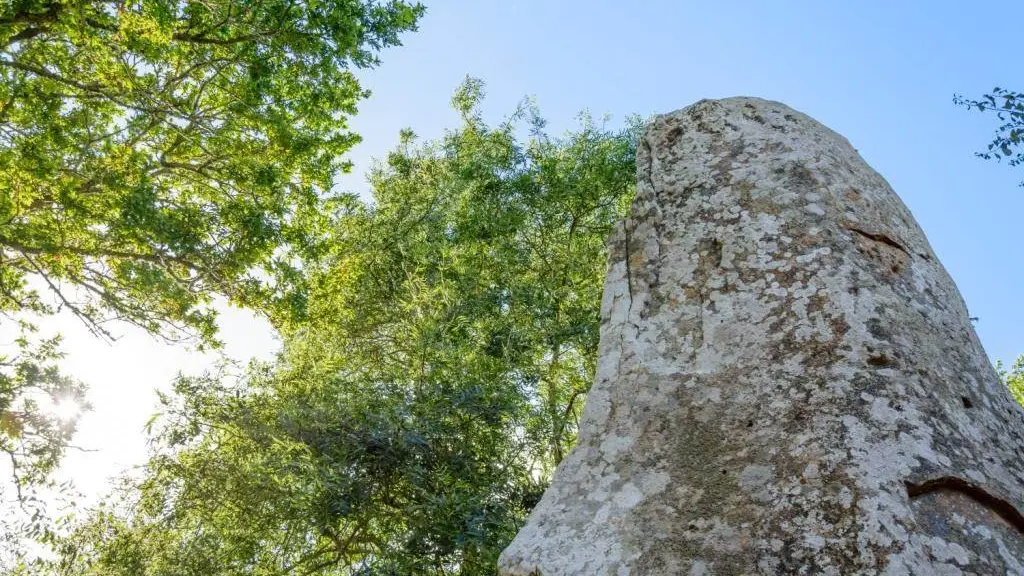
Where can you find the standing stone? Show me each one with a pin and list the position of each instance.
(789, 382)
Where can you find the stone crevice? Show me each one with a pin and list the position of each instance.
(879, 237)
(1002, 507)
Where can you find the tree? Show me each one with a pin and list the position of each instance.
(157, 153)
(1009, 108)
(416, 413)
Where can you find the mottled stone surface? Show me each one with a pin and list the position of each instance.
(789, 382)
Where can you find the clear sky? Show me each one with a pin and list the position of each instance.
(883, 74)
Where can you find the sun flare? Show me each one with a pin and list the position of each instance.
(66, 409)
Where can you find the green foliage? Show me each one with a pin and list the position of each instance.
(33, 436)
(1009, 109)
(414, 416)
(1014, 379)
(156, 153)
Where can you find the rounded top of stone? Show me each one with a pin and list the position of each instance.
(740, 100)
(777, 154)
(753, 117)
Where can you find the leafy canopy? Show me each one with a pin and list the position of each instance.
(155, 153)
(414, 417)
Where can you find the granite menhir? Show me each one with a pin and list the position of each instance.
(789, 382)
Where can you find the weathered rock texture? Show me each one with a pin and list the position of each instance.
(789, 382)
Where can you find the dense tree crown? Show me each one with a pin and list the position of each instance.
(158, 151)
(415, 416)
(155, 153)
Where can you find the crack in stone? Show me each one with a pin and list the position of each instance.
(879, 237)
(649, 169)
(1001, 507)
(629, 271)
(657, 222)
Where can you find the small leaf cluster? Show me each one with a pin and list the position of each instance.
(1008, 107)
(1014, 378)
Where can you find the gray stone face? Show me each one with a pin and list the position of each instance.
(789, 382)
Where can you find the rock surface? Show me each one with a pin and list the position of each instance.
(789, 382)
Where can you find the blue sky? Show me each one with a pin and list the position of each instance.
(883, 74)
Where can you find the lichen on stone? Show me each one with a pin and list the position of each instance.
(784, 363)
